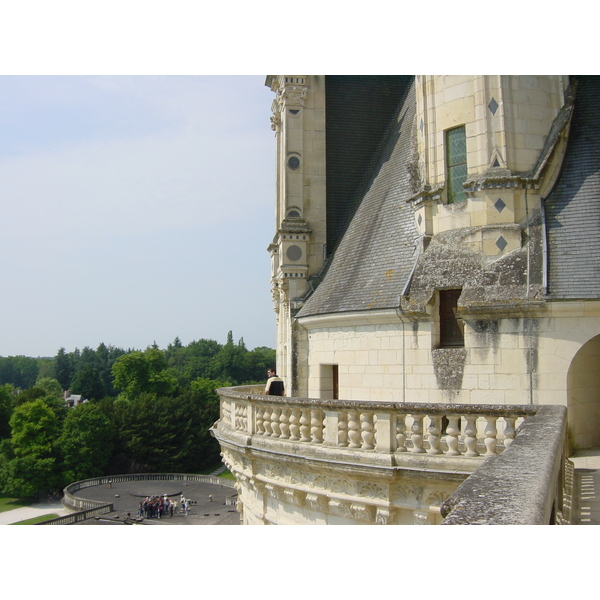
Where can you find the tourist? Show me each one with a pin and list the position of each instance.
(274, 385)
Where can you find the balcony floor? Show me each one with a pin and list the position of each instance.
(586, 509)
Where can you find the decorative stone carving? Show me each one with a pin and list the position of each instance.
(316, 502)
(272, 491)
(294, 497)
(362, 512)
(421, 518)
(436, 498)
(383, 516)
(371, 490)
(342, 509)
(407, 494)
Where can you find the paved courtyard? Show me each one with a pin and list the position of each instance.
(206, 502)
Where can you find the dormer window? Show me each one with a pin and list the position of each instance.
(456, 164)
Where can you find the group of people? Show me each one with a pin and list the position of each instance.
(157, 507)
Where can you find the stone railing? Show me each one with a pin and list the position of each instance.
(529, 484)
(78, 517)
(297, 447)
(384, 427)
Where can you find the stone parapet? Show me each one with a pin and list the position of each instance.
(529, 484)
(305, 460)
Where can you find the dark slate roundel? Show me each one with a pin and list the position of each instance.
(294, 253)
(293, 162)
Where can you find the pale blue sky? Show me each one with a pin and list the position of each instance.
(134, 210)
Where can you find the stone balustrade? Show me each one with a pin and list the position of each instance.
(304, 460)
(384, 427)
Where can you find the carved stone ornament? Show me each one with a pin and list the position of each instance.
(407, 495)
(383, 517)
(436, 498)
(420, 518)
(294, 497)
(272, 491)
(342, 509)
(362, 513)
(316, 502)
(292, 95)
(371, 490)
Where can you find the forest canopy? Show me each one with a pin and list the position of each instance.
(144, 411)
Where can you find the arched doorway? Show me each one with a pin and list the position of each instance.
(583, 396)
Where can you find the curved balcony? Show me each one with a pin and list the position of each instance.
(304, 460)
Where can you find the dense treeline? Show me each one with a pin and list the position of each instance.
(147, 411)
(88, 372)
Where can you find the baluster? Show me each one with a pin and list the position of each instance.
(275, 422)
(316, 426)
(267, 421)
(294, 428)
(452, 431)
(260, 427)
(509, 430)
(284, 424)
(417, 434)
(353, 432)
(366, 425)
(342, 436)
(401, 433)
(471, 435)
(434, 430)
(305, 425)
(490, 435)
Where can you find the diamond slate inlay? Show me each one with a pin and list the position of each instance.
(493, 106)
(501, 243)
(499, 205)
(419, 219)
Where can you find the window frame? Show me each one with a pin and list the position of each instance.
(453, 165)
(452, 326)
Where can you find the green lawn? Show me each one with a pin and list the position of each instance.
(35, 520)
(7, 503)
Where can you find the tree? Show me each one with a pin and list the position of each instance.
(139, 372)
(63, 369)
(31, 465)
(86, 443)
(50, 386)
(89, 384)
(6, 408)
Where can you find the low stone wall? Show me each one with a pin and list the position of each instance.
(77, 517)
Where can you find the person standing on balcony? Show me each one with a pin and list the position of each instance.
(274, 385)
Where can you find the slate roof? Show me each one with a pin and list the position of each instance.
(573, 206)
(376, 255)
